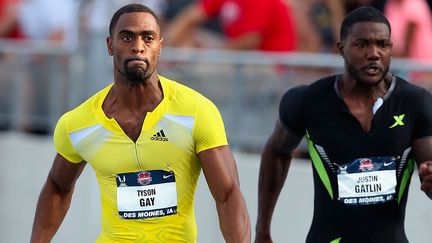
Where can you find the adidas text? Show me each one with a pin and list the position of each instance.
(159, 139)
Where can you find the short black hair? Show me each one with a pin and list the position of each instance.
(130, 8)
(362, 14)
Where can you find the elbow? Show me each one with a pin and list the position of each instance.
(225, 195)
(58, 187)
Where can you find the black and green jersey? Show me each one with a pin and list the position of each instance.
(361, 178)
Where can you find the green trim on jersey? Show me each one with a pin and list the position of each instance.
(319, 166)
(405, 178)
(336, 240)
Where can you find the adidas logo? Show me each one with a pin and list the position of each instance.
(159, 136)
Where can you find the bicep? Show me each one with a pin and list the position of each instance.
(64, 173)
(220, 170)
(282, 140)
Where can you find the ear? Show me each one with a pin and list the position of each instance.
(340, 48)
(161, 45)
(109, 45)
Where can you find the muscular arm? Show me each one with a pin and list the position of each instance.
(423, 155)
(409, 36)
(337, 14)
(55, 198)
(275, 162)
(246, 41)
(220, 171)
(182, 28)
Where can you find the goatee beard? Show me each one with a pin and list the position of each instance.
(135, 76)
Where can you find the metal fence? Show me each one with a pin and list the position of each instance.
(39, 81)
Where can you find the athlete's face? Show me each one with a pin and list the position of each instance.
(367, 52)
(135, 46)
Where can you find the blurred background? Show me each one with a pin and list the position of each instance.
(53, 57)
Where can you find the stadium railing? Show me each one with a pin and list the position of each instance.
(39, 81)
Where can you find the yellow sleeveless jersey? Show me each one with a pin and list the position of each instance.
(146, 187)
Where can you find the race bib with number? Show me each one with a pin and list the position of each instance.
(146, 194)
(367, 181)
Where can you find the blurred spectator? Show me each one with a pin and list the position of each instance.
(210, 31)
(9, 27)
(411, 22)
(429, 2)
(321, 19)
(353, 4)
(54, 24)
(51, 20)
(266, 25)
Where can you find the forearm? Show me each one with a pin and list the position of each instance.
(233, 218)
(182, 28)
(249, 41)
(273, 172)
(51, 209)
(409, 36)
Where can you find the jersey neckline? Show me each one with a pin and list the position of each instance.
(150, 119)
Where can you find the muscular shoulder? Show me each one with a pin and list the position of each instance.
(409, 90)
(299, 100)
(183, 98)
(303, 94)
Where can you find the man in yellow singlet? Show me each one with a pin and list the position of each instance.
(147, 139)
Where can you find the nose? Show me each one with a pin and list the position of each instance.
(137, 46)
(373, 52)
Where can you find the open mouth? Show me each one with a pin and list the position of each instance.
(372, 69)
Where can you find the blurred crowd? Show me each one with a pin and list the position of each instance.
(269, 25)
(262, 25)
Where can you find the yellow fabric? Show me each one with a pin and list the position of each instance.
(190, 122)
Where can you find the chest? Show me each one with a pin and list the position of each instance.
(131, 125)
(342, 134)
(166, 146)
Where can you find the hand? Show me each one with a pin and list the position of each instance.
(263, 238)
(425, 173)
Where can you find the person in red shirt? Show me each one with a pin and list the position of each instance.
(266, 25)
(9, 27)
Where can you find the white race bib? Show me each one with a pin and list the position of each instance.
(146, 194)
(367, 181)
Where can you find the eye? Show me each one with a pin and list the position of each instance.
(384, 45)
(148, 38)
(126, 37)
(360, 45)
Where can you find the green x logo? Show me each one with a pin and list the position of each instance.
(398, 121)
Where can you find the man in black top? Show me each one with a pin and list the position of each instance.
(366, 130)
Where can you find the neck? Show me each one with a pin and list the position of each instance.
(141, 97)
(350, 87)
